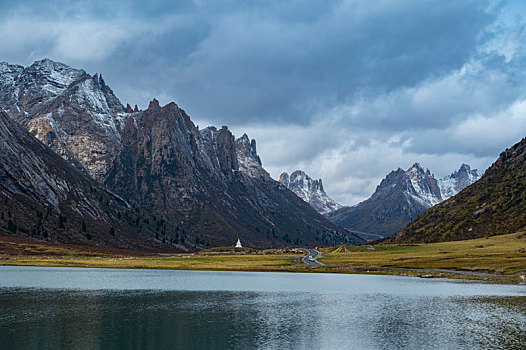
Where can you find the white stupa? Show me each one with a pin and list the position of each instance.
(238, 244)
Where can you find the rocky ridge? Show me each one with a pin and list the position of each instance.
(400, 198)
(311, 191)
(210, 183)
(202, 187)
(74, 113)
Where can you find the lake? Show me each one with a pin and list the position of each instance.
(75, 308)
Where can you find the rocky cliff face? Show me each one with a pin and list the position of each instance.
(494, 205)
(248, 159)
(75, 114)
(400, 198)
(43, 197)
(311, 191)
(424, 187)
(210, 184)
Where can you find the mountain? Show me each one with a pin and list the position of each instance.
(400, 197)
(494, 205)
(200, 187)
(452, 184)
(74, 113)
(210, 183)
(43, 197)
(311, 191)
(203, 187)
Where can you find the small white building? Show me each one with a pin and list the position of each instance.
(238, 244)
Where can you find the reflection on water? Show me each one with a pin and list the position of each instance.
(288, 311)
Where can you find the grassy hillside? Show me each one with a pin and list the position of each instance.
(494, 205)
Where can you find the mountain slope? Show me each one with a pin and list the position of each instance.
(400, 197)
(43, 197)
(212, 185)
(74, 113)
(311, 191)
(207, 187)
(494, 205)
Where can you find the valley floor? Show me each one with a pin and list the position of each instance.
(496, 259)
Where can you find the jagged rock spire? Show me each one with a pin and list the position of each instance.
(154, 104)
(311, 191)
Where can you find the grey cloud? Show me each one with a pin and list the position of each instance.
(280, 71)
(273, 61)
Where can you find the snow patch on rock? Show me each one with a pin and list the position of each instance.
(248, 159)
(311, 191)
(452, 184)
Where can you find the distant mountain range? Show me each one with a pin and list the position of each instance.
(494, 205)
(400, 198)
(311, 191)
(198, 188)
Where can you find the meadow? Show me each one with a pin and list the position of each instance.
(499, 258)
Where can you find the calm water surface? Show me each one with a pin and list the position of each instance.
(73, 308)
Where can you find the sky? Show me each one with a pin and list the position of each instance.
(345, 90)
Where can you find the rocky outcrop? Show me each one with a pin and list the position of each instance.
(43, 197)
(248, 159)
(311, 191)
(74, 113)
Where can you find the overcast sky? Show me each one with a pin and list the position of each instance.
(345, 90)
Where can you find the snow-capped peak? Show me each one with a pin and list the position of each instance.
(452, 184)
(53, 77)
(311, 191)
(84, 114)
(424, 185)
(420, 185)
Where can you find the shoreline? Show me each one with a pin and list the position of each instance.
(514, 279)
(501, 260)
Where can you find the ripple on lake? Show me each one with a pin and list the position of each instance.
(49, 308)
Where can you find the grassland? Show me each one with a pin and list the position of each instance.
(21, 252)
(499, 258)
(494, 255)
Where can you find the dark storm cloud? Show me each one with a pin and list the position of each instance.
(270, 60)
(259, 66)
